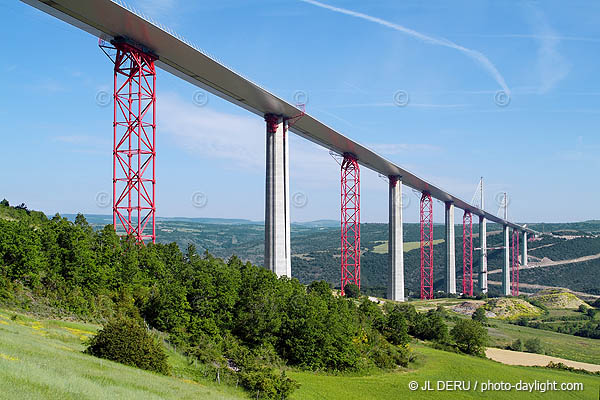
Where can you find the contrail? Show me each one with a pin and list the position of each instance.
(477, 56)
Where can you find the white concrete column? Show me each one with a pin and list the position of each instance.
(524, 260)
(277, 223)
(450, 250)
(483, 277)
(506, 263)
(395, 289)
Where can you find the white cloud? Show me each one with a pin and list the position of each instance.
(241, 139)
(480, 58)
(552, 67)
(213, 134)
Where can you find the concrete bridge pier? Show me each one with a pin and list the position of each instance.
(483, 277)
(506, 263)
(450, 249)
(395, 290)
(277, 216)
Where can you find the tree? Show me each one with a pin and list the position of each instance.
(430, 326)
(396, 327)
(479, 316)
(352, 291)
(4, 203)
(534, 345)
(517, 345)
(321, 288)
(470, 337)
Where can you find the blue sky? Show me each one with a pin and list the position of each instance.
(349, 58)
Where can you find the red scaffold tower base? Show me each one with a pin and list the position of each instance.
(468, 253)
(426, 246)
(350, 233)
(134, 133)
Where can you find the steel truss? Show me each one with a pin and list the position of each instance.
(467, 254)
(134, 133)
(426, 246)
(350, 233)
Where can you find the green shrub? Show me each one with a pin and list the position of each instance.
(470, 336)
(517, 345)
(396, 327)
(268, 383)
(126, 341)
(534, 345)
(479, 316)
(352, 291)
(430, 326)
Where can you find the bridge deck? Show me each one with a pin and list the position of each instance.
(107, 19)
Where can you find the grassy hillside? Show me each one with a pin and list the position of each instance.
(583, 276)
(439, 365)
(44, 360)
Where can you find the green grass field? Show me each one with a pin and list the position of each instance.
(434, 365)
(555, 344)
(44, 360)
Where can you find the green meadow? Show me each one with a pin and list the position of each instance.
(43, 359)
(436, 365)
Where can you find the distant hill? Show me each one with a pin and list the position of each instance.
(96, 219)
(316, 250)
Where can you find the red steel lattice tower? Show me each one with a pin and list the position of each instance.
(134, 133)
(468, 253)
(350, 236)
(426, 246)
(514, 284)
